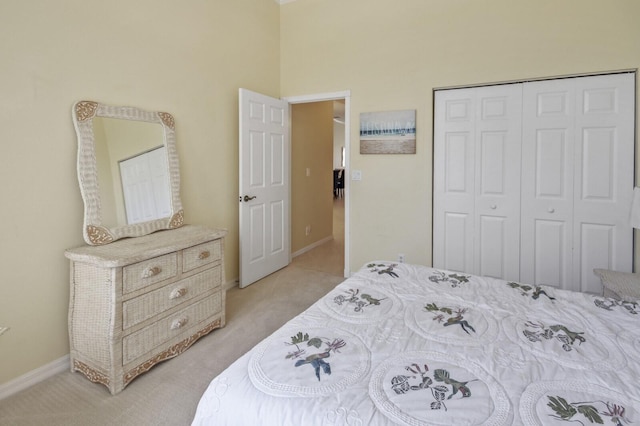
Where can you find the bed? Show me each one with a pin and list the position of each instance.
(411, 345)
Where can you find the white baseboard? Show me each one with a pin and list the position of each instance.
(312, 246)
(231, 284)
(34, 376)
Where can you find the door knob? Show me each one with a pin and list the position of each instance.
(551, 210)
(493, 207)
(247, 198)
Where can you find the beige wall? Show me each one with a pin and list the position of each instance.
(311, 196)
(185, 57)
(391, 54)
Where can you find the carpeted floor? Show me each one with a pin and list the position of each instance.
(169, 393)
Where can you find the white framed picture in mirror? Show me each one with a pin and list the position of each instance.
(128, 171)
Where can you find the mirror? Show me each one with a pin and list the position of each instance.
(128, 171)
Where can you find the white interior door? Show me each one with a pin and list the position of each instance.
(578, 155)
(604, 177)
(497, 175)
(477, 181)
(264, 186)
(454, 180)
(547, 182)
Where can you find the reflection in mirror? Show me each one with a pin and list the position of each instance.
(128, 171)
(132, 171)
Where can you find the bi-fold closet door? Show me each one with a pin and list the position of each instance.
(533, 181)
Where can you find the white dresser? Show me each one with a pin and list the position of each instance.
(139, 301)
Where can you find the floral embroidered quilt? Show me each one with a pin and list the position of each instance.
(411, 345)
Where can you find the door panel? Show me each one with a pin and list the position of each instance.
(455, 242)
(277, 164)
(551, 164)
(497, 133)
(454, 176)
(492, 256)
(547, 182)
(550, 245)
(597, 250)
(256, 160)
(597, 164)
(492, 163)
(257, 233)
(277, 227)
(264, 179)
(604, 178)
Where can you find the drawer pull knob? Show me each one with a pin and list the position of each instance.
(151, 271)
(177, 293)
(205, 254)
(178, 323)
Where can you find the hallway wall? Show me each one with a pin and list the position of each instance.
(312, 195)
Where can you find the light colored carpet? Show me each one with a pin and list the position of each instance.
(169, 393)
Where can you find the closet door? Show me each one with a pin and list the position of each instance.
(454, 176)
(533, 182)
(604, 177)
(547, 182)
(577, 180)
(477, 180)
(497, 138)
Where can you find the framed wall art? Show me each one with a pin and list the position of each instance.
(388, 132)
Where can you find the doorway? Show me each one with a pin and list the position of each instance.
(330, 253)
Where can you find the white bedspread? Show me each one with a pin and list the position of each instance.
(411, 345)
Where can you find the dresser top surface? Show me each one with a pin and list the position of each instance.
(131, 250)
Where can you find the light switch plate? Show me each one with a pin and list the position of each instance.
(356, 175)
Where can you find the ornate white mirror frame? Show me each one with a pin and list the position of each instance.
(96, 232)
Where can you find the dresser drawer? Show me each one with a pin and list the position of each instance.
(141, 308)
(200, 255)
(142, 274)
(145, 340)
